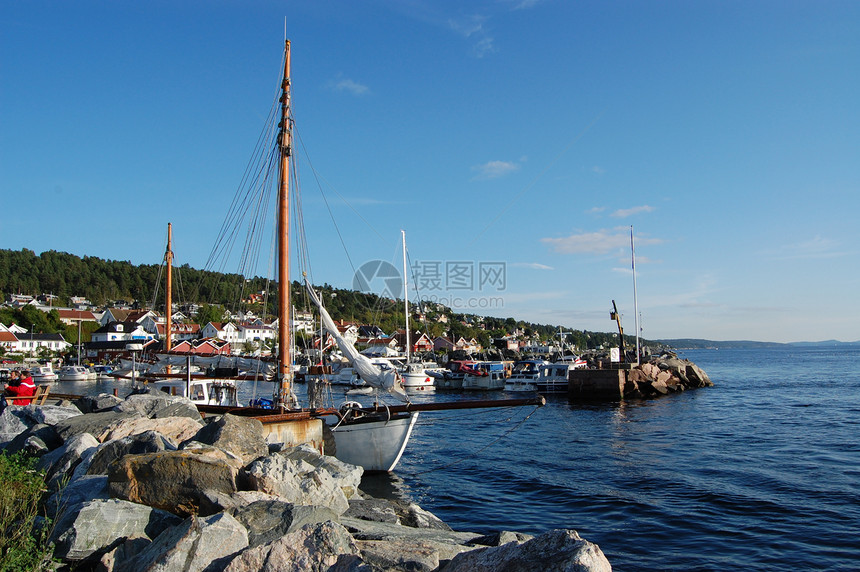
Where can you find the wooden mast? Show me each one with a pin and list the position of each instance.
(284, 142)
(168, 294)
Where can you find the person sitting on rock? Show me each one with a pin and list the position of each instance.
(23, 387)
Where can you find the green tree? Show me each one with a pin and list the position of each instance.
(209, 313)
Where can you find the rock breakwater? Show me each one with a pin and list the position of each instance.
(147, 484)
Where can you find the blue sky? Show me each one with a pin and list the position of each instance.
(526, 136)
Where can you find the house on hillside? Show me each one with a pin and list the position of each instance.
(418, 342)
(32, 343)
(227, 331)
(205, 346)
(121, 331)
(75, 317)
(443, 343)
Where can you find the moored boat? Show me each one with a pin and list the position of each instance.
(42, 374)
(75, 373)
(485, 376)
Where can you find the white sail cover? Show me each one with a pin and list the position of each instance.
(388, 379)
(248, 366)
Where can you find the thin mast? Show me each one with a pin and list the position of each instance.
(406, 297)
(168, 291)
(635, 300)
(284, 141)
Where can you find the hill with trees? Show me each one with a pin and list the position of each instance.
(104, 282)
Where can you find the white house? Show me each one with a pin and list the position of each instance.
(121, 331)
(31, 343)
(223, 331)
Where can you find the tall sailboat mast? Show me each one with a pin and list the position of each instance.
(284, 143)
(406, 298)
(168, 291)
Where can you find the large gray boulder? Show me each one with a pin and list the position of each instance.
(269, 520)
(302, 476)
(317, 547)
(157, 405)
(92, 423)
(553, 551)
(242, 436)
(13, 421)
(61, 461)
(175, 481)
(82, 490)
(177, 429)
(415, 555)
(36, 440)
(50, 414)
(90, 528)
(110, 451)
(194, 545)
(97, 403)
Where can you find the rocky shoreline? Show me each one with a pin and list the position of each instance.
(147, 484)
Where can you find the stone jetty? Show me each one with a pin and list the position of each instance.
(147, 484)
(658, 375)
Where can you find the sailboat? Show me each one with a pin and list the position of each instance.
(373, 437)
(414, 376)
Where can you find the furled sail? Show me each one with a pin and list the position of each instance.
(387, 379)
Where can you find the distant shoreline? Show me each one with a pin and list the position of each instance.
(699, 344)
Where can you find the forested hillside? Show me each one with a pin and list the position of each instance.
(105, 281)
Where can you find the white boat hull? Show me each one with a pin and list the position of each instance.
(413, 381)
(373, 445)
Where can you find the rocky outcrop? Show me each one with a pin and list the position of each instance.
(93, 527)
(663, 375)
(302, 476)
(242, 436)
(132, 499)
(554, 550)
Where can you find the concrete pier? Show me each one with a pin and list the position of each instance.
(596, 384)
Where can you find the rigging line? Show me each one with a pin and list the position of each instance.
(255, 160)
(319, 177)
(534, 181)
(480, 450)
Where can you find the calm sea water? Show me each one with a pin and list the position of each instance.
(760, 472)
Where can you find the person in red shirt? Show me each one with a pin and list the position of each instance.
(23, 388)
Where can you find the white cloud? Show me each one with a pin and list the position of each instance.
(494, 169)
(472, 27)
(600, 242)
(622, 213)
(598, 169)
(534, 265)
(350, 86)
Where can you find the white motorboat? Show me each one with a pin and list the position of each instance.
(42, 374)
(542, 376)
(416, 378)
(202, 391)
(485, 376)
(75, 373)
(103, 372)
